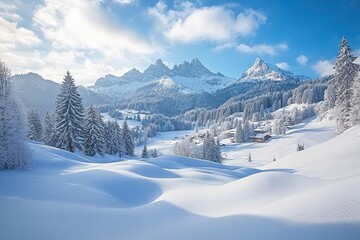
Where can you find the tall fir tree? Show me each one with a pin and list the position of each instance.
(69, 116)
(13, 146)
(345, 72)
(94, 140)
(129, 146)
(35, 129)
(49, 136)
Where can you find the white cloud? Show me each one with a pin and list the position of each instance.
(262, 49)
(188, 23)
(283, 65)
(123, 2)
(323, 68)
(78, 36)
(302, 59)
(13, 36)
(84, 24)
(7, 11)
(224, 46)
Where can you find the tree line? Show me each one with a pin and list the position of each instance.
(72, 128)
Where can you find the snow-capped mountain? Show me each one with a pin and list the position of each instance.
(194, 69)
(261, 70)
(188, 77)
(157, 70)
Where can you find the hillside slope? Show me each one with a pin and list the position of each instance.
(313, 194)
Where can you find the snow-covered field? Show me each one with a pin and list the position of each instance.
(312, 194)
(311, 132)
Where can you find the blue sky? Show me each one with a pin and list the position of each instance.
(93, 38)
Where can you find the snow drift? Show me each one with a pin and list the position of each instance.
(312, 194)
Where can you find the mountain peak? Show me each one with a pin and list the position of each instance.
(159, 62)
(195, 61)
(194, 69)
(261, 70)
(157, 70)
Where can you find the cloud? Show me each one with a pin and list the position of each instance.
(283, 65)
(302, 59)
(13, 36)
(125, 2)
(262, 49)
(224, 46)
(85, 25)
(188, 23)
(79, 36)
(7, 11)
(323, 68)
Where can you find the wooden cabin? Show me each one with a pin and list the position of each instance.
(260, 138)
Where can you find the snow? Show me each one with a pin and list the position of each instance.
(131, 122)
(309, 133)
(311, 194)
(265, 71)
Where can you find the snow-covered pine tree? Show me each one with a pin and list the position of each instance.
(211, 150)
(69, 116)
(248, 131)
(329, 98)
(49, 130)
(239, 133)
(128, 142)
(279, 127)
(355, 101)
(112, 130)
(35, 129)
(345, 72)
(13, 145)
(94, 139)
(145, 152)
(249, 157)
(121, 143)
(153, 153)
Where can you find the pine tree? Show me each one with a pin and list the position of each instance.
(211, 150)
(154, 153)
(239, 134)
(345, 72)
(13, 146)
(329, 98)
(249, 157)
(69, 116)
(355, 101)
(49, 130)
(112, 136)
(248, 131)
(35, 129)
(145, 153)
(94, 133)
(128, 142)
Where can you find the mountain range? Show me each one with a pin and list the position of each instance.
(185, 86)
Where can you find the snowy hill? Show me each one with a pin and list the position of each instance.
(261, 70)
(312, 194)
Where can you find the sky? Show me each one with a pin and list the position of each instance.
(92, 38)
